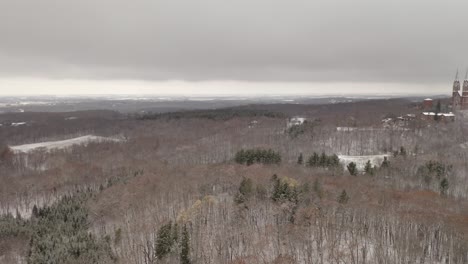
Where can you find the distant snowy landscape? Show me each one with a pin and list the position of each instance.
(49, 145)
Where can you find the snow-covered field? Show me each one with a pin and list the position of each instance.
(349, 129)
(362, 160)
(48, 145)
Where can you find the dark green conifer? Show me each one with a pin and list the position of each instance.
(300, 159)
(185, 247)
(352, 169)
(444, 185)
(343, 198)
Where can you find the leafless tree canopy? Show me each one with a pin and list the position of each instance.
(170, 191)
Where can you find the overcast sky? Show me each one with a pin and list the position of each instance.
(231, 46)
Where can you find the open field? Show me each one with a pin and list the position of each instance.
(62, 144)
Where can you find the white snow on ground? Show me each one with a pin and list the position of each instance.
(349, 129)
(362, 160)
(18, 124)
(61, 144)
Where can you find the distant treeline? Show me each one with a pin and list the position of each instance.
(251, 156)
(214, 114)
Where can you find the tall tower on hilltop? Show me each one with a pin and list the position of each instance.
(465, 84)
(456, 95)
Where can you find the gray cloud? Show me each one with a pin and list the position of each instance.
(419, 41)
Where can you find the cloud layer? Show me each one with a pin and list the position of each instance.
(416, 41)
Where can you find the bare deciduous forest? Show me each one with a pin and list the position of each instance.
(237, 185)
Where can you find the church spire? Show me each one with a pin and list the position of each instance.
(456, 83)
(465, 85)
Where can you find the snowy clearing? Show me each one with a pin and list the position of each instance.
(18, 124)
(349, 129)
(48, 145)
(362, 160)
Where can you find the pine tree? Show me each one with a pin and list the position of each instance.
(164, 241)
(35, 211)
(352, 169)
(300, 160)
(251, 156)
(313, 160)
(245, 191)
(334, 161)
(368, 169)
(323, 160)
(18, 215)
(276, 193)
(185, 247)
(175, 233)
(385, 163)
(343, 198)
(402, 151)
(444, 185)
(240, 157)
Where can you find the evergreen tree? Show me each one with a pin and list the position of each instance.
(313, 160)
(18, 215)
(175, 233)
(35, 211)
(251, 156)
(240, 157)
(334, 161)
(284, 191)
(300, 159)
(276, 193)
(368, 169)
(403, 151)
(352, 169)
(323, 160)
(444, 185)
(185, 247)
(343, 198)
(164, 241)
(59, 234)
(245, 191)
(385, 163)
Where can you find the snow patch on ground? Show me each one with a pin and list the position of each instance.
(49, 145)
(18, 124)
(349, 129)
(362, 160)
